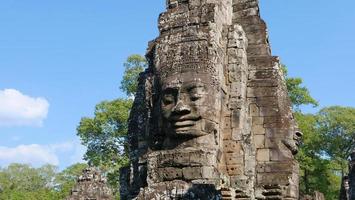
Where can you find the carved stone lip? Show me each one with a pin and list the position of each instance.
(183, 124)
(176, 119)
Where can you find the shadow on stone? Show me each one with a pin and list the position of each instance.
(202, 192)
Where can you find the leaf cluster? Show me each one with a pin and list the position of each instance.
(134, 65)
(22, 181)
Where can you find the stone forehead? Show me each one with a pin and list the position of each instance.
(193, 77)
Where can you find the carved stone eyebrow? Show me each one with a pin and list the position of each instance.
(191, 86)
(170, 90)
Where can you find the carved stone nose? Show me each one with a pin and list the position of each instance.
(182, 108)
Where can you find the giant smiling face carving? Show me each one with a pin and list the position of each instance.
(190, 105)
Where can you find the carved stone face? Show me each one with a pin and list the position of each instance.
(295, 143)
(190, 105)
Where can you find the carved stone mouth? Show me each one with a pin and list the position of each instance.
(176, 119)
(185, 123)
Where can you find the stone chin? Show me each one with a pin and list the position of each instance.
(186, 128)
(188, 133)
(192, 128)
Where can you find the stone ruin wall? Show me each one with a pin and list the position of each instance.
(250, 154)
(273, 126)
(91, 185)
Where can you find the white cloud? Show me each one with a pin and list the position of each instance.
(17, 109)
(30, 154)
(61, 154)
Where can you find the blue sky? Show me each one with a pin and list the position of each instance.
(58, 59)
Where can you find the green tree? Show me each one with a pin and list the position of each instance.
(316, 173)
(105, 134)
(337, 128)
(66, 179)
(298, 94)
(21, 181)
(134, 65)
(26, 178)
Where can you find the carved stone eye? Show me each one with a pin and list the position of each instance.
(196, 93)
(195, 97)
(168, 99)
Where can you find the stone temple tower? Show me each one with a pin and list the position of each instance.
(211, 118)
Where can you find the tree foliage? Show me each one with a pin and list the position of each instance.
(298, 94)
(22, 181)
(317, 173)
(337, 128)
(105, 134)
(134, 65)
(66, 179)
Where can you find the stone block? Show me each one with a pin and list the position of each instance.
(191, 173)
(237, 117)
(236, 158)
(259, 141)
(262, 83)
(239, 181)
(262, 155)
(257, 121)
(201, 158)
(237, 134)
(269, 111)
(250, 165)
(263, 74)
(258, 130)
(234, 170)
(227, 121)
(254, 110)
(169, 173)
(281, 154)
(266, 101)
(275, 167)
(231, 146)
(272, 142)
(227, 134)
(262, 92)
(273, 178)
